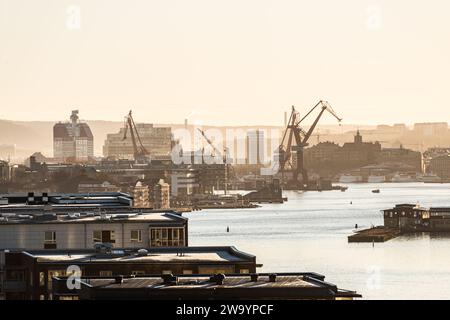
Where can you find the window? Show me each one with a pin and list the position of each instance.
(50, 240)
(41, 279)
(54, 273)
(97, 236)
(137, 273)
(104, 236)
(136, 236)
(105, 273)
(167, 272)
(187, 272)
(167, 237)
(244, 271)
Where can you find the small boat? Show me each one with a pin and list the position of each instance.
(376, 191)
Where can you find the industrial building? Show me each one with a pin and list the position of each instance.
(156, 140)
(72, 141)
(264, 286)
(28, 274)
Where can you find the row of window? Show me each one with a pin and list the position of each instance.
(165, 237)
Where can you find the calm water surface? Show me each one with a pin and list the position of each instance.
(309, 233)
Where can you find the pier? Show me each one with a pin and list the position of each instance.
(375, 234)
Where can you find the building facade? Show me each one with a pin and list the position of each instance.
(75, 231)
(72, 141)
(141, 195)
(161, 195)
(157, 141)
(440, 166)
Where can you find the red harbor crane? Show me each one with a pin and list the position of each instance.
(296, 139)
(139, 151)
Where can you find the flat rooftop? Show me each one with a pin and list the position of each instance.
(40, 200)
(92, 216)
(151, 255)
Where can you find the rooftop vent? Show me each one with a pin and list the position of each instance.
(118, 279)
(169, 279)
(218, 278)
(103, 247)
(44, 197)
(74, 215)
(142, 252)
(272, 277)
(30, 198)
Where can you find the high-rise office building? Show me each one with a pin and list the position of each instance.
(72, 141)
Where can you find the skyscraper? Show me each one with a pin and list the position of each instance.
(72, 141)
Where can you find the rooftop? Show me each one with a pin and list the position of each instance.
(150, 255)
(92, 216)
(47, 200)
(236, 286)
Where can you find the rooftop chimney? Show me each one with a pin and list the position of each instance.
(272, 277)
(218, 279)
(169, 279)
(118, 279)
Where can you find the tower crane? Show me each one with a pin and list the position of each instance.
(296, 139)
(217, 152)
(139, 151)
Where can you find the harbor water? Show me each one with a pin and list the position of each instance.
(309, 233)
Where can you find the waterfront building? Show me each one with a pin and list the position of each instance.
(157, 141)
(440, 166)
(264, 286)
(407, 217)
(401, 156)
(72, 141)
(440, 219)
(29, 273)
(331, 158)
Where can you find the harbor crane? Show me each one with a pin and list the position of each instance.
(296, 139)
(217, 152)
(140, 153)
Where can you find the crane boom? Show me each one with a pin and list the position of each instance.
(224, 158)
(294, 133)
(139, 151)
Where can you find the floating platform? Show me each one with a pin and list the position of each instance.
(376, 234)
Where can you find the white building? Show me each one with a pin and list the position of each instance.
(75, 231)
(72, 141)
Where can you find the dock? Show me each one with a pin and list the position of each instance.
(375, 234)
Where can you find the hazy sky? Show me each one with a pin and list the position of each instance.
(225, 61)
